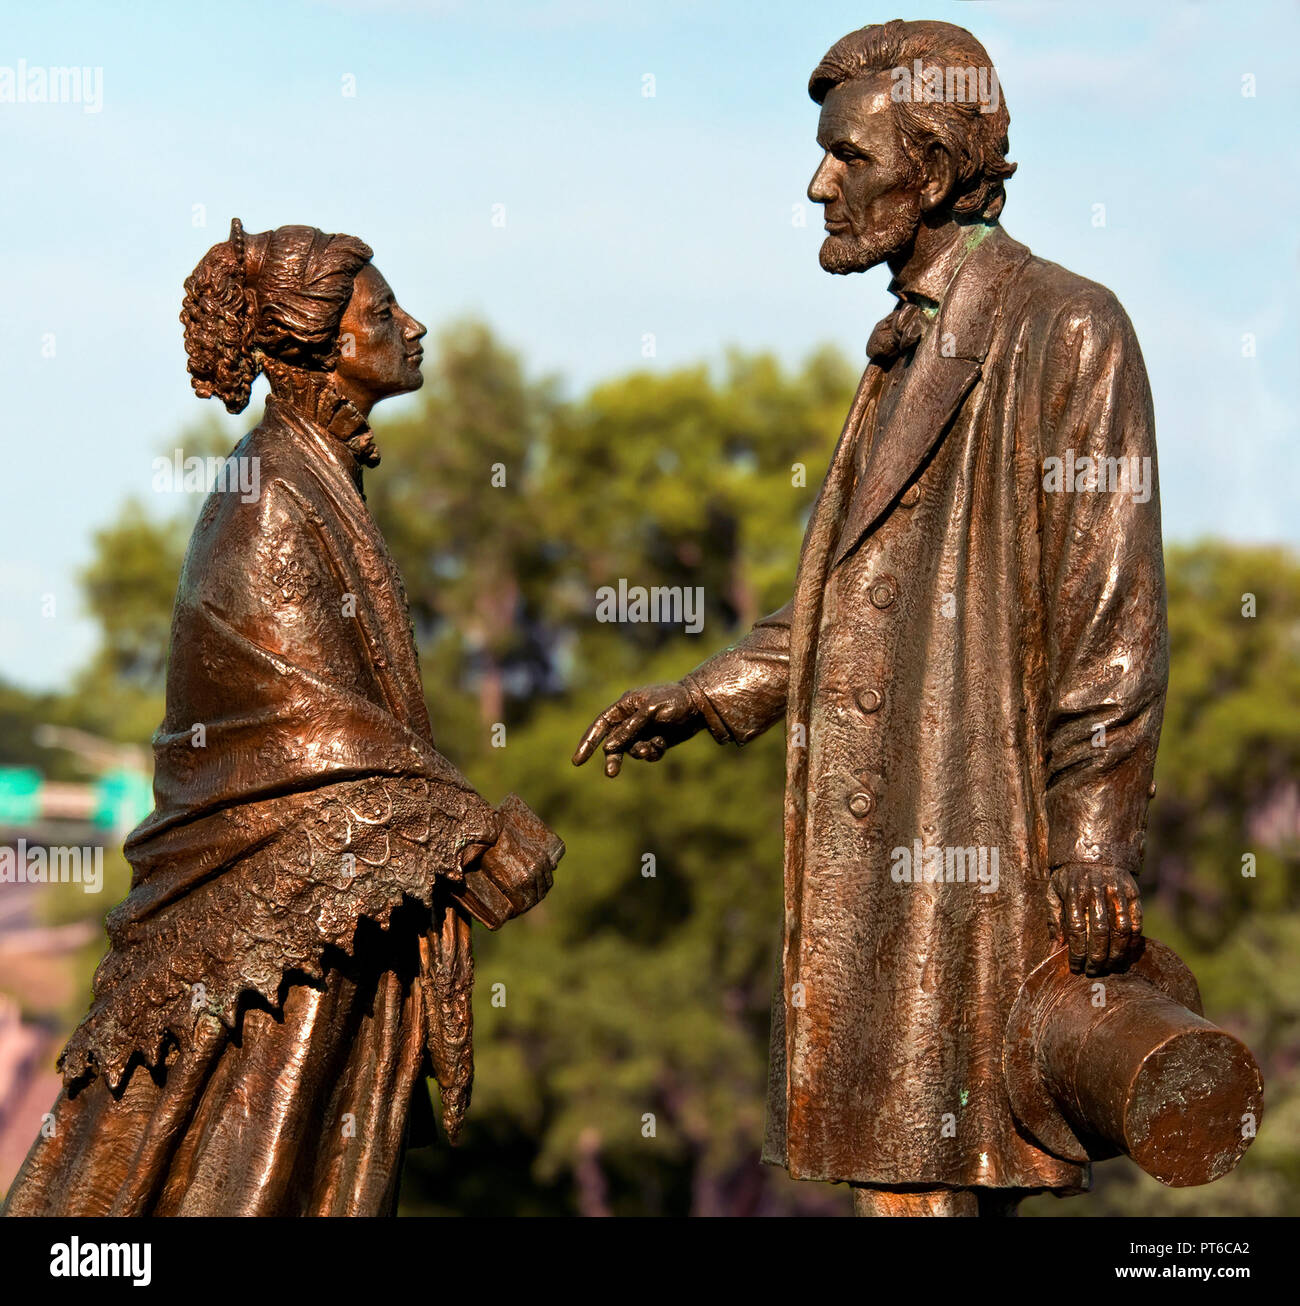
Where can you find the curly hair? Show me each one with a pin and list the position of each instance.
(268, 303)
(976, 139)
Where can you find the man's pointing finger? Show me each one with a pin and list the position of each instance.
(597, 731)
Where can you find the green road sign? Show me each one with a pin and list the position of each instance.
(122, 799)
(20, 794)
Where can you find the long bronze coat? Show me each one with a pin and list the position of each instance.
(970, 660)
(288, 963)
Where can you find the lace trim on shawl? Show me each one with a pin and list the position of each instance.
(299, 885)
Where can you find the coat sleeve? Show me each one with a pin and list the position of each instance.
(742, 691)
(1103, 585)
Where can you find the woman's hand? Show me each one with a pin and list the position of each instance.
(516, 872)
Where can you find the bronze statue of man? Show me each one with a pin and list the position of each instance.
(972, 668)
(294, 955)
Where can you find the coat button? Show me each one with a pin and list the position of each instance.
(869, 700)
(861, 804)
(883, 591)
(911, 496)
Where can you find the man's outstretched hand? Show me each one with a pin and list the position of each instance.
(644, 723)
(1097, 911)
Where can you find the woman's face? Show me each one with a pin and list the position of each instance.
(379, 344)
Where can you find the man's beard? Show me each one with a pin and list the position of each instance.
(854, 253)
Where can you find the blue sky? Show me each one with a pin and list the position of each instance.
(624, 214)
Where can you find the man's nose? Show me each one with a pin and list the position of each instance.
(415, 330)
(821, 190)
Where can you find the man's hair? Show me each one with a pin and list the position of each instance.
(977, 140)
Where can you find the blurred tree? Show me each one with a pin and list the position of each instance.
(679, 478)
(22, 713)
(458, 505)
(1229, 760)
(129, 587)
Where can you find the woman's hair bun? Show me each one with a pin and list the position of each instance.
(218, 319)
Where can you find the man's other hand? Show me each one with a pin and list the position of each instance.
(1097, 911)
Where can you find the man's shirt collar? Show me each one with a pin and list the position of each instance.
(928, 287)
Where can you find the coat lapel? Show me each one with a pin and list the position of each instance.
(942, 373)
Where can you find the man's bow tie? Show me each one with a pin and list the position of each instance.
(895, 334)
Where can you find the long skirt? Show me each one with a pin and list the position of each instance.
(304, 1111)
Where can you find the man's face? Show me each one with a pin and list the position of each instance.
(870, 188)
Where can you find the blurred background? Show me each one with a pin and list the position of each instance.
(600, 212)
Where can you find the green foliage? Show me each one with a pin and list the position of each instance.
(21, 716)
(1230, 753)
(467, 544)
(129, 594)
(627, 996)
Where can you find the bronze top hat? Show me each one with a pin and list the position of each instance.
(1128, 1063)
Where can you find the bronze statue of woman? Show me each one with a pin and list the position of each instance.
(294, 954)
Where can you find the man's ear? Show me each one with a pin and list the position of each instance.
(940, 176)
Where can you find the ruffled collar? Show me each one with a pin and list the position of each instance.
(313, 397)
